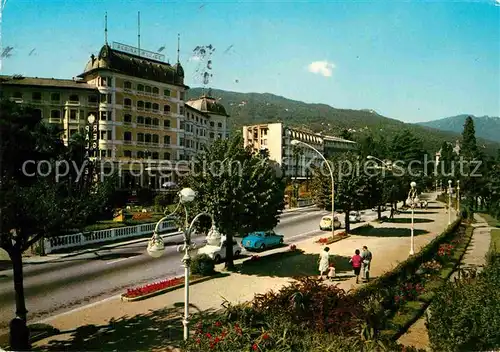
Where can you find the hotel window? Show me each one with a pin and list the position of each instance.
(140, 88)
(181, 110)
(55, 97)
(74, 98)
(156, 122)
(140, 154)
(140, 137)
(147, 120)
(166, 92)
(127, 102)
(140, 105)
(181, 142)
(127, 85)
(127, 118)
(37, 113)
(166, 108)
(156, 91)
(92, 99)
(127, 153)
(212, 135)
(140, 120)
(55, 114)
(148, 105)
(166, 139)
(156, 107)
(127, 136)
(148, 89)
(166, 123)
(36, 96)
(219, 125)
(105, 98)
(156, 155)
(104, 115)
(73, 114)
(182, 95)
(156, 139)
(147, 138)
(166, 156)
(212, 124)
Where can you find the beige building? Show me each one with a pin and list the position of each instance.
(276, 139)
(139, 104)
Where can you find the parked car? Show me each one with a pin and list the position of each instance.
(218, 252)
(382, 208)
(261, 240)
(354, 216)
(326, 223)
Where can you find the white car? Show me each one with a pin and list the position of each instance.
(218, 252)
(354, 216)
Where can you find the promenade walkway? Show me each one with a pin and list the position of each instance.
(153, 323)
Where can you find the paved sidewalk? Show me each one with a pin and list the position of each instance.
(475, 257)
(387, 253)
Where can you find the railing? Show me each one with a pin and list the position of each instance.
(82, 239)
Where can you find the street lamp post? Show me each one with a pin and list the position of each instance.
(458, 196)
(449, 202)
(156, 247)
(412, 202)
(296, 142)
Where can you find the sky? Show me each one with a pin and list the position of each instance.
(413, 61)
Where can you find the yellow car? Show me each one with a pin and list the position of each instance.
(326, 223)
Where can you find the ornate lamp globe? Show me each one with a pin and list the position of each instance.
(413, 184)
(187, 195)
(213, 236)
(156, 246)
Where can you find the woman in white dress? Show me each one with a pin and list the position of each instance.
(324, 262)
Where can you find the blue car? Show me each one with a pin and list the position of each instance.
(261, 240)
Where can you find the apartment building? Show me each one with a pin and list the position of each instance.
(139, 106)
(276, 139)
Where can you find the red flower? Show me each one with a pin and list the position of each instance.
(208, 335)
(255, 347)
(217, 339)
(265, 336)
(218, 323)
(198, 341)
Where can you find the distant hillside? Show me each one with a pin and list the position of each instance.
(252, 108)
(487, 127)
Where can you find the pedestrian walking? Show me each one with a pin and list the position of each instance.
(324, 262)
(356, 261)
(367, 260)
(331, 272)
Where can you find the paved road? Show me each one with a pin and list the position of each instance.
(55, 287)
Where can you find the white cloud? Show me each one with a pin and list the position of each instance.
(323, 68)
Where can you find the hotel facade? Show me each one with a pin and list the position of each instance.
(276, 139)
(143, 125)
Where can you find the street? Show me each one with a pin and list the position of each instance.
(68, 283)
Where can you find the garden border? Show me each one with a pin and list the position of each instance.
(424, 304)
(172, 288)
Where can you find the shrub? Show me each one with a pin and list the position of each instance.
(463, 313)
(203, 265)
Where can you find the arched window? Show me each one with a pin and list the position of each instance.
(156, 107)
(140, 120)
(147, 138)
(140, 88)
(156, 139)
(127, 102)
(140, 105)
(166, 108)
(156, 91)
(127, 85)
(147, 120)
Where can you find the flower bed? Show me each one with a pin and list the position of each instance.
(159, 287)
(332, 239)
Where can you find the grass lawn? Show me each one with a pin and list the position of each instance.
(386, 231)
(495, 240)
(291, 264)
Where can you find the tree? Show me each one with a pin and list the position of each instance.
(32, 205)
(244, 191)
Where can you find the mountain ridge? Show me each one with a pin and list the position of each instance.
(254, 108)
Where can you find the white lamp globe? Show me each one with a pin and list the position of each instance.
(413, 184)
(294, 142)
(91, 119)
(187, 195)
(156, 247)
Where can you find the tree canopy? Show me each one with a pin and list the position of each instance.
(244, 191)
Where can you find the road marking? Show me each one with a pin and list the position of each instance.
(118, 260)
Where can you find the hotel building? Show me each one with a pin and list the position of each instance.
(276, 139)
(138, 103)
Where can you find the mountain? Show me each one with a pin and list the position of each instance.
(253, 108)
(487, 127)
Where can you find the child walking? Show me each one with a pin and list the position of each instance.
(356, 261)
